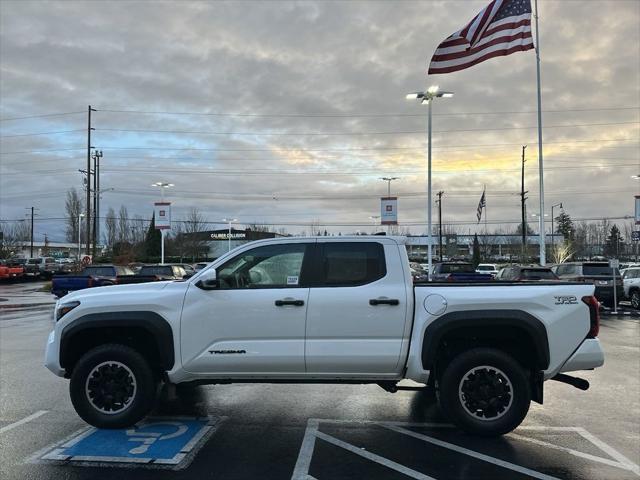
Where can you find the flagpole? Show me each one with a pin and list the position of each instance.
(486, 232)
(542, 242)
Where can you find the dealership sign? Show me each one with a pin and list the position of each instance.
(162, 212)
(389, 211)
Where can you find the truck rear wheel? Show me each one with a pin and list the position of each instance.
(112, 386)
(485, 392)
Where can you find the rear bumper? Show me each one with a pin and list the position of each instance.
(589, 355)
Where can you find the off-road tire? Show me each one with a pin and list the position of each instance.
(131, 377)
(489, 377)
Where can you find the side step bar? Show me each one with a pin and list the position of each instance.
(574, 381)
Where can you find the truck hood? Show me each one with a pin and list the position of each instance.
(110, 290)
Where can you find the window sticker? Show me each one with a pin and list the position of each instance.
(292, 280)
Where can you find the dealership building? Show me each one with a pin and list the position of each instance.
(217, 242)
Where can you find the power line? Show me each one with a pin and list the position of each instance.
(41, 133)
(302, 149)
(39, 116)
(405, 132)
(353, 115)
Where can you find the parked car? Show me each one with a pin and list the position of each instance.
(458, 272)
(200, 265)
(337, 309)
(517, 273)
(31, 267)
(10, 270)
(599, 274)
(631, 285)
(91, 276)
(45, 266)
(64, 265)
(152, 273)
(490, 268)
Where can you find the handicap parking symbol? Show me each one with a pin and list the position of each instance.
(158, 441)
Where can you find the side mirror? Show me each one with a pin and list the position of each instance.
(208, 280)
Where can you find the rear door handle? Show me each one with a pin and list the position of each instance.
(384, 301)
(295, 303)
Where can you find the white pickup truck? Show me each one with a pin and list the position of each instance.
(330, 310)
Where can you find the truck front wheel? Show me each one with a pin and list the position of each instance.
(484, 391)
(112, 386)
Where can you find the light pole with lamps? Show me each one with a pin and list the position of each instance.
(389, 180)
(427, 98)
(553, 245)
(80, 217)
(230, 221)
(162, 186)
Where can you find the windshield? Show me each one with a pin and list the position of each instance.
(601, 269)
(156, 270)
(486, 268)
(537, 274)
(98, 271)
(33, 261)
(457, 268)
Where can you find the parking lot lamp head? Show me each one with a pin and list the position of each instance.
(162, 186)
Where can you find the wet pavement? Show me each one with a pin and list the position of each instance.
(312, 431)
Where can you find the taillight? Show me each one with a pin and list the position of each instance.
(594, 315)
(450, 278)
(90, 282)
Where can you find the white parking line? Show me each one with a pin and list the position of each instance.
(609, 450)
(373, 457)
(11, 426)
(471, 453)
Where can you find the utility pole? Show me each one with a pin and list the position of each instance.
(88, 210)
(31, 247)
(97, 155)
(523, 199)
(439, 202)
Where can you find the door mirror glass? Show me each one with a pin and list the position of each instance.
(208, 280)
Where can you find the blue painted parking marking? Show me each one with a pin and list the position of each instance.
(157, 441)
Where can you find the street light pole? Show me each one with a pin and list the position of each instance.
(427, 97)
(80, 216)
(553, 243)
(230, 220)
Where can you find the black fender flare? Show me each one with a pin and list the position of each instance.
(158, 328)
(436, 330)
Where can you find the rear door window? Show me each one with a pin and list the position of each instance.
(347, 264)
(598, 269)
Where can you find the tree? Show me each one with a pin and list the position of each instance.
(614, 243)
(476, 251)
(14, 236)
(194, 245)
(562, 252)
(565, 226)
(152, 240)
(112, 228)
(73, 208)
(123, 225)
(519, 229)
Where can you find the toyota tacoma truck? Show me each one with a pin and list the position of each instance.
(324, 310)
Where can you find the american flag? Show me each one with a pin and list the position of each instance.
(481, 205)
(503, 27)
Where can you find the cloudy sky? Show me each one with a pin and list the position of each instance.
(288, 113)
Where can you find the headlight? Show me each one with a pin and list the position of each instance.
(65, 308)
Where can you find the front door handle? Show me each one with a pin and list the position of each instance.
(384, 301)
(295, 303)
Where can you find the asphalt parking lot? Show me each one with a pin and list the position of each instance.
(313, 431)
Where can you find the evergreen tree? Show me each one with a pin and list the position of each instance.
(152, 240)
(476, 251)
(565, 226)
(519, 229)
(615, 242)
